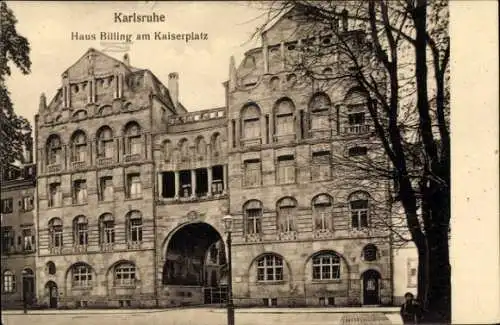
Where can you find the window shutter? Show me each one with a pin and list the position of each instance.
(19, 240)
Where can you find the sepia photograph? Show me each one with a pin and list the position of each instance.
(249, 162)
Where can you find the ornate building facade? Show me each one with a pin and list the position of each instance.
(132, 188)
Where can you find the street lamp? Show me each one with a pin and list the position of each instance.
(228, 226)
(25, 300)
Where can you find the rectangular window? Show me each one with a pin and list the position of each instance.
(55, 195)
(136, 230)
(106, 188)
(135, 146)
(320, 120)
(134, 186)
(359, 214)
(125, 275)
(286, 169)
(284, 124)
(82, 234)
(28, 240)
(57, 236)
(7, 234)
(321, 165)
(27, 203)
(357, 118)
(251, 129)
(107, 150)
(109, 232)
(254, 221)
(79, 192)
(7, 205)
(80, 153)
(252, 172)
(82, 276)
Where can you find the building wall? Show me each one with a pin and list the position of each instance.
(405, 271)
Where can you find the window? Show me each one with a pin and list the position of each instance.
(51, 268)
(56, 233)
(184, 149)
(357, 151)
(216, 145)
(28, 240)
(79, 192)
(7, 239)
(79, 147)
(133, 142)
(82, 276)
(106, 188)
(284, 118)
(80, 229)
(321, 165)
(326, 266)
(9, 282)
(253, 215)
(359, 210)
(107, 226)
(250, 119)
(357, 118)
(270, 268)
(125, 275)
(201, 147)
(320, 109)
(286, 214)
(286, 169)
(167, 150)
(134, 186)
(55, 195)
(54, 150)
(252, 172)
(322, 212)
(370, 253)
(27, 203)
(7, 205)
(105, 146)
(135, 227)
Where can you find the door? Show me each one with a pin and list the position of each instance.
(371, 281)
(28, 289)
(53, 294)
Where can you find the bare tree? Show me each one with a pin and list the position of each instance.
(396, 54)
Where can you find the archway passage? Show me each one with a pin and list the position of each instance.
(371, 287)
(51, 289)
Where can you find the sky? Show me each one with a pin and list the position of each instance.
(202, 65)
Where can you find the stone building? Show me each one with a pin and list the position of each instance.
(18, 240)
(132, 188)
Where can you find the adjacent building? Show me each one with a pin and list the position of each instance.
(132, 187)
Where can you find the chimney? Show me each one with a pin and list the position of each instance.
(42, 106)
(344, 20)
(173, 87)
(232, 74)
(126, 60)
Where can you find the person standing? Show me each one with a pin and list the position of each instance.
(411, 312)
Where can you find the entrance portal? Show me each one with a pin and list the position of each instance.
(51, 287)
(28, 286)
(371, 281)
(196, 257)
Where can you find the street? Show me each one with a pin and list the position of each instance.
(204, 316)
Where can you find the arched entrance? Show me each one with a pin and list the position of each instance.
(371, 287)
(28, 285)
(51, 289)
(196, 258)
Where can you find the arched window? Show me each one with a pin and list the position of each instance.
(270, 268)
(357, 113)
(286, 212)
(326, 266)
(250, 119)
(81, 276)
(56, 233)
(107, 229)
(80, 231)
(322, 212)
(133, 143)
(167, 150)
(54, 150)
(51, 268)
(124, 275)
(184, 149)
(9, 281)
(216, 145)
(358, 203)
(134, 229)
(319, 108)
(105, 146)
(253, 217)
(370, 253)
(201, 147)
(284, 118)
(79, 146)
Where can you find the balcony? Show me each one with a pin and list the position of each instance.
(251, 142)
(287, 235)
(322, 233)
(78, 165)
(357, 129)
(253, 238)
(107, 247)
(134, 245)
(80, 249)
(132, 157)
(105, 161)
(56, 250)
(54, 168)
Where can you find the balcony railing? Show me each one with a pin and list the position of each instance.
(76, 165)
(54, 168)
(357, 129)
(80, 248)
(132, 157)
(105, 161)
(287, 235)
(134, 244)
(323, 233)
(253, 238)
(251, 142)
(107, 247)
(55, 249)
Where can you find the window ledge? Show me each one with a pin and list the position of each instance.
(79, 204)
(277, 282)
(326, 281)
(128, 286)
(129, 199)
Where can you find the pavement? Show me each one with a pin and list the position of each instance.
(207, 316)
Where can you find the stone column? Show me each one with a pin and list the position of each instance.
(160, 184)
(193, 183)
(224, 168)
(265, 54)
(210, 179)
(177, 184)
(282, 49)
